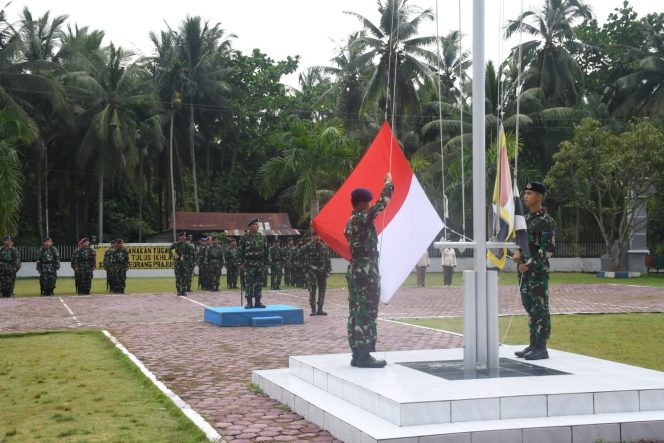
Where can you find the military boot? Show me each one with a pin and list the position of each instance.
(320, 311)
(365, 360)
(258, 303)
(353, 361)
(539, 352)
(313, 310)
(249, 303)
(524, 351)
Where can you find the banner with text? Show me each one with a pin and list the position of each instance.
(141, 255)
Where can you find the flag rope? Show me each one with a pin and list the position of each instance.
(463, 172)
(440, 124)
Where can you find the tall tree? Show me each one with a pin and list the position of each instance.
(549, 58)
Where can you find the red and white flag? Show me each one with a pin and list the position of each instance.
(405, 229)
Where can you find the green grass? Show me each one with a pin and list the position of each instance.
(78, 386)
(636, 339)
(29, 287)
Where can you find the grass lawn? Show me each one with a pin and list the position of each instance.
(76, 386)
(636, 339)
(29, 287)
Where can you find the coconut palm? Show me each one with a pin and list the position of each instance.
(549, 58)
(393, 44)
(314, 159)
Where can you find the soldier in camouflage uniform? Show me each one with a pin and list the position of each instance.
(317, 257)
(253, 253)
(10, 263)
(190, 262)
(201, 262)
(106, 263)
(276, 264)
(232, 265)
(533, 271)
(116, 266)
(48, 263)
(215, 262)
(363, 276)
(182, 253)
(83, 261)
(288, 262)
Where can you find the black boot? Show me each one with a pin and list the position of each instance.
(249, 304)
(539, 352)
(353, 361)
(258, 303)
(523, 352)
(313, 310)
(365, 360)
(320, 310)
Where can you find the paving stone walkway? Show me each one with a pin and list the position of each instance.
(210, 367)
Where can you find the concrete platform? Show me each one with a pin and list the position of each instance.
(271, 315)
(596, 399)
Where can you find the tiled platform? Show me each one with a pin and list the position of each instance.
(271, 315)
(597, 399)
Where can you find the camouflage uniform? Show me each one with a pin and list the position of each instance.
(83, 260)
(204, 281)
(363, 276)
(231, 267)
(215, 261)
(182, 254)
(116, 265)
(276, 266)
(535, 281)
(288, 265)
(190, 264)
(317, 257)
(10, 263)
(48, 263)
(253, 253)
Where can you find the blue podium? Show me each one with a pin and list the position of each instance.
(271, 315)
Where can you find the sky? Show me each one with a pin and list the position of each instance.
(312, 29)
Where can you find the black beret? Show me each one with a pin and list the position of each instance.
(182, 234)
(252, 221)
(46, 239)
(9, 237)
(119, 240)
(361, 195)
(537, 187)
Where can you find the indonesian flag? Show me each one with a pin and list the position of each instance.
(405, 229)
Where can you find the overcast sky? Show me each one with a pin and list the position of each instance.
(308, 28)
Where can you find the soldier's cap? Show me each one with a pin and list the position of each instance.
(9, 237)
(205, 238)
(182, 234)
(361, 195)
(537, 187)
(83, 240)
(252, 221)
(119, 240)
(113, 242)
(46, 239)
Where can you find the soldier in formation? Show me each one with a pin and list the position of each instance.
(190, 262)
(232, 265)
(215, 262)
(83, 261)
(363, 276)
(533, 271)
(48, 263)
(201, 261)
(116, 263)
(182, 253)
(288, 262)
(10, 263)
(277, 259)
(317, 260)
(253, 253)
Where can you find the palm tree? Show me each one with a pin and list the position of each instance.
(111, 89)
(640, 91)
(314, 159)
(549, 58)
(393, 45)
(198, 47)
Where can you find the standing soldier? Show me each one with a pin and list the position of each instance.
(48, 263)
(298, 265)
(276, 264)
(181, 252)
(363, 275)
(215, 261)
(10, 263)
(533, 271)
(231, 265)
(106, 263)
(83, 260)
(253, 253)
(118, 266)
(288, 262)
(201, 261)
(190, 262)
(317, 258)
